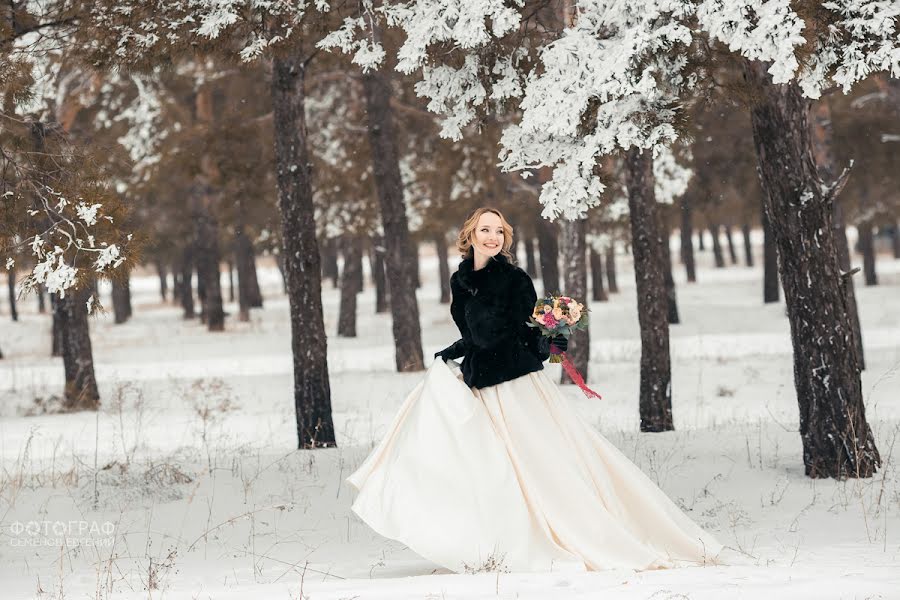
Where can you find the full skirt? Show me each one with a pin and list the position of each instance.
(510, 477)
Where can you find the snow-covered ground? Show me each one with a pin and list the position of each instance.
(187, 483)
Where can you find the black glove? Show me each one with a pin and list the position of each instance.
(454, 350)
(560, 341)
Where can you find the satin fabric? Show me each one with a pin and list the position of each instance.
(511, 478)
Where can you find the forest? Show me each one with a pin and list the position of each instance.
(228, 231)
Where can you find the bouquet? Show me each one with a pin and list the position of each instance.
(558, 315)
(562, 315)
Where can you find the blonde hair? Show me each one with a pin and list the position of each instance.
(467, 233)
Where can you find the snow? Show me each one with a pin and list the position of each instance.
(191, 461)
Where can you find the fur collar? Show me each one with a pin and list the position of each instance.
(469, 278)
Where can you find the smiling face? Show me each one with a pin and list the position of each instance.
(487, 239)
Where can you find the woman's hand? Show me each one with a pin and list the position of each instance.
(560, 341)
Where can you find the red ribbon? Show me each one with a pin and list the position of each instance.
(574, 375)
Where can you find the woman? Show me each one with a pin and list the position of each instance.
(489, 467)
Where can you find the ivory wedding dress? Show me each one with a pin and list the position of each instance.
(510, 477)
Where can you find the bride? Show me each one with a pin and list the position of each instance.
(488, 466)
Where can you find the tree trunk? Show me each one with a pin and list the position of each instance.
(649, 275)
(895, 238)
(671, 297)
(330, 261)
(530, 264)
(822, 137)
(770, 260)
(440, 241)
(350, 278)
(78, 360)
(206, 231)
(572, 237)
(121, 298)
(837, 440)
(687, 244)
(187, 275)
(56, 331)
(229, 265)
(163, 279)
(611, 269)
(42, 305)
(748, 248)
(732, 252)
(414, 255)
(548, 246)
(717, 246)
(312, 390)
(201, 292)
(244, 261)
(376, 264)
(599, 294)
(867, 249)
(176, 281)
(400, 258)
(11, 288)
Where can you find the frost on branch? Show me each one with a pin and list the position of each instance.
(670, 177)
(600, 90)
(142, 32)
(69, 241)
(766, 30)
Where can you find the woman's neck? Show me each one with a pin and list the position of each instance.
(480, 260)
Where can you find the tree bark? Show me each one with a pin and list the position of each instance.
(717, 246)
(770, 261)
(837, 440)
(121, 298)
(330, 261)
(163, 279)
(748, 248)
(649, 274)
(244, 262)
(822, 137)
(671, 297)
(895, 239)
(11, 288)
(350, 278)
(187, 275)
(42, 305)
(599, 294)
(176, 281)
(56, 331)
(732, 252)
(78, 360)
(400, 257)
(440, 242)
(229, 266)
(206, 236)
(687, 243)
(312, 390)
(611, 269)
(867, 249)
(530, 264)
(414, 256)
(548, 246)
(376, 263)
(573, 247)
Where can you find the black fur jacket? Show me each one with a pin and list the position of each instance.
(490, 307)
